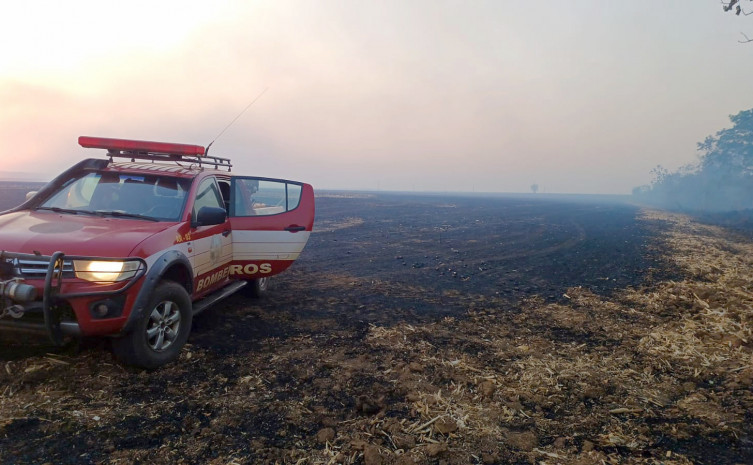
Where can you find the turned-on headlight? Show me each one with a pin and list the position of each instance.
(105, 271)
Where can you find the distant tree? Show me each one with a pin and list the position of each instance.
(722, 180)
(534, 188)
(726, 166)
(730, 149)
(659, 173)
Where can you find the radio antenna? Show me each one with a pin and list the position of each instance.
(206, 152)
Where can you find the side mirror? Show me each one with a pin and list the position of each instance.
(31, 194)
(209, 216)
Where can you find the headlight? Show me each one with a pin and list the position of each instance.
(105, 271)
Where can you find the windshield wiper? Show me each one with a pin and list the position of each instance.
(121, 214)
(65, 210)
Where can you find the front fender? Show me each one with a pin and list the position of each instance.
(152, 279)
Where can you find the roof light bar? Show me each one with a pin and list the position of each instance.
(142, 146)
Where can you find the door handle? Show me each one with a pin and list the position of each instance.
(226, 233)
(295, 228)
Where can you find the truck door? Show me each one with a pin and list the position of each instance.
(211, 246)
(271, 221)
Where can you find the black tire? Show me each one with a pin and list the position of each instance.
(162, 330)
(257, 287)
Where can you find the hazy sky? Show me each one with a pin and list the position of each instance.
(578, 96)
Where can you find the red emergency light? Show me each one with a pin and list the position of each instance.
(140, 146)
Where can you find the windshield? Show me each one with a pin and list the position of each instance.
(120, 194)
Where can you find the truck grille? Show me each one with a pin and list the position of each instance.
(37, 269)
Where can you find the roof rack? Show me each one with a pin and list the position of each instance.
(154, 151)
(217, 162)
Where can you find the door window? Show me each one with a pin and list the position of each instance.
(294, 195)
(261, 197)
(208, 195)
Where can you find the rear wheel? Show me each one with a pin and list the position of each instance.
(257, 287)
(162, 330)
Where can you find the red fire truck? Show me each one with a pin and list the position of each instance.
(134, 244)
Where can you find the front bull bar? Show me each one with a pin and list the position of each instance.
(53, 282)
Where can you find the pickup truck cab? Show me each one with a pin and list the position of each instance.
(134, 249)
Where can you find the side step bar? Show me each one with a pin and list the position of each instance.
(227, 291)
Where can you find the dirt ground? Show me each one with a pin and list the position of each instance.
(431, 330)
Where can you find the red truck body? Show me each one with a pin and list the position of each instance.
(90, 253)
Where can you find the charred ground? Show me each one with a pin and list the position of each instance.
(431, 329)
(14, 193)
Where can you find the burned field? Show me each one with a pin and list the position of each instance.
(431, 329)
(14, 193)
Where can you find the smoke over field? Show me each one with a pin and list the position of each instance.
(722, 180)
(431, 329)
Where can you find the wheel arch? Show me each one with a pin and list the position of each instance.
(172, 265)
(180, 273)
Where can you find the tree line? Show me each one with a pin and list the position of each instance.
(722, 180)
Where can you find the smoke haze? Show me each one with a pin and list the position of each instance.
(446, 96)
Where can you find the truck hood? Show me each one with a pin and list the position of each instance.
(49, 232)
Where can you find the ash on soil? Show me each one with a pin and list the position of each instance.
(413, 329)
(510, 247)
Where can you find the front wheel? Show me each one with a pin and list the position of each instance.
(161, 332)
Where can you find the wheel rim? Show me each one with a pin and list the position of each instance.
(263, 283)
(162, 328)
